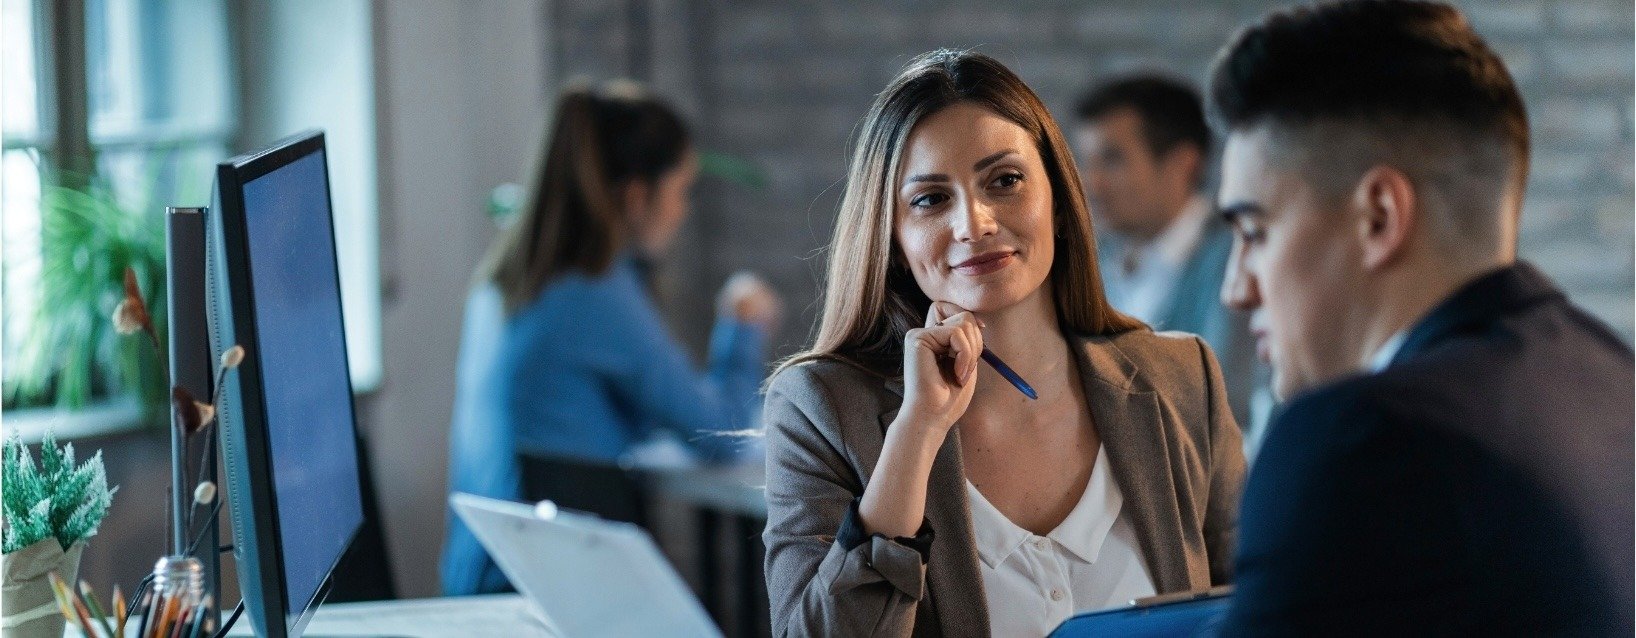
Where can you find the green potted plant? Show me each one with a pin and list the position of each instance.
(50, 509)
(71, 357)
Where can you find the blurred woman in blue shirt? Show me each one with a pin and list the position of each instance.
(563, 353)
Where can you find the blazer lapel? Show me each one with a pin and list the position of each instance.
(1130, 425)
(951, 571)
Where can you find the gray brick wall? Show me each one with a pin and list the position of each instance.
(784, 83)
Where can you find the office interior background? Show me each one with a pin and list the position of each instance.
(430, 105)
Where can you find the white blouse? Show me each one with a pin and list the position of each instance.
(1091, 561)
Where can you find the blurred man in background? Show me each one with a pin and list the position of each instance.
(1144, 147)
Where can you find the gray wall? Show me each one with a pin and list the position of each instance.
(783, 83)
(460, 107)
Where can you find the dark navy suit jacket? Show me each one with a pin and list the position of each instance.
(1481, 484)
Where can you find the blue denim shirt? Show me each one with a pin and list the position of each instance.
(585, 371)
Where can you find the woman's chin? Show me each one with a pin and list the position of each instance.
(986, 300)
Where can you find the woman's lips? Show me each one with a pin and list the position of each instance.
(986, 263)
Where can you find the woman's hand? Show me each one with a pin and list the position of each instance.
(940, 366)
(749, 299)
(939, 375)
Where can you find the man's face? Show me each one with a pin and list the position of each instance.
(1294, 267)
(1128, 188)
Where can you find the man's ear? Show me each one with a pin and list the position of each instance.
(1389, 211)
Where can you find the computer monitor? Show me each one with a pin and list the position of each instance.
(288, 434)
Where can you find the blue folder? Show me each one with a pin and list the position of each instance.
(1193, 615)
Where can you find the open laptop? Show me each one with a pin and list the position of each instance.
(586, 576)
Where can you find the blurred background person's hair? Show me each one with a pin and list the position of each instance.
(606, 154)
(566, 364)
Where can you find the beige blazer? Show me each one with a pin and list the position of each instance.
(1159, 405)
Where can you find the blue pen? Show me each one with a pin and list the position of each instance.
(1009, 374)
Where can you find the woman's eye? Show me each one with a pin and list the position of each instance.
(1008, 180)
(928, 200)
(1252, 234)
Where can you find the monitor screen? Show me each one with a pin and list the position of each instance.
(304, 380)
(289, 442)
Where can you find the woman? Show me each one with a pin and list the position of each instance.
(564, 355)
(911, 489)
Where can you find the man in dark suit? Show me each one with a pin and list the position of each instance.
(1455, 453)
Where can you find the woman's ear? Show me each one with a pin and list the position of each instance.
(636, 197)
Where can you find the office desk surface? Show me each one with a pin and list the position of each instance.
(492, 615)
(738, 489)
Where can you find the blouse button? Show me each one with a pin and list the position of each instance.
(1056, 595)
(1039, 544)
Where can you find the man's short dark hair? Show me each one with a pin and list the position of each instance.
(1371, 60)
(1340, 85)
(1171, 111)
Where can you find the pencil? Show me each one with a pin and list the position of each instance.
(75, 603)
(119, 612)
(1009, 374)
(147, 616)
(62, 602)
(172, 605)
(90, 596)
(183, 618)
(200, 613)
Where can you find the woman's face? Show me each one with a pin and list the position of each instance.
(974, 211)
(659, 209)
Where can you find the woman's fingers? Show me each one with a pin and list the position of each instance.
(965, 353)
(953, 332)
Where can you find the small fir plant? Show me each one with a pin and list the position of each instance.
(56, 499)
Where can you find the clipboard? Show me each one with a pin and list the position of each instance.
(1170, 615)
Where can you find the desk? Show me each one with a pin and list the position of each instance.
(458, 617)
(735, 489)
(732, 497)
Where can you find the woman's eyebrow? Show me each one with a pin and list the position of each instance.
(980, 165)
(985, 162)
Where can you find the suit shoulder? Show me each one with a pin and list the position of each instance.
(1359, 407)
(827, 386)
(817, 374)
(1171, 354)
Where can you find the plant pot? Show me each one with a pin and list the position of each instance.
(30, 606)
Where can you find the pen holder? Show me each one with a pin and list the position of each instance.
(178, 591)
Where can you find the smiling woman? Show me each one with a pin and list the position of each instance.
(909, 489)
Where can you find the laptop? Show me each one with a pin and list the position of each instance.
(584, 575)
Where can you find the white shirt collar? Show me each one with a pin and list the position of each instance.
(1141, 277)
(1082, 533)
(1383, 357)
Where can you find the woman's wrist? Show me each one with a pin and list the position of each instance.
(911, 417)
(894, 502)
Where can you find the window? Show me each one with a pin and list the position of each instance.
(136, 104)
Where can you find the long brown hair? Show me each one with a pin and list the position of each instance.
(572, 219)
(871, 301)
